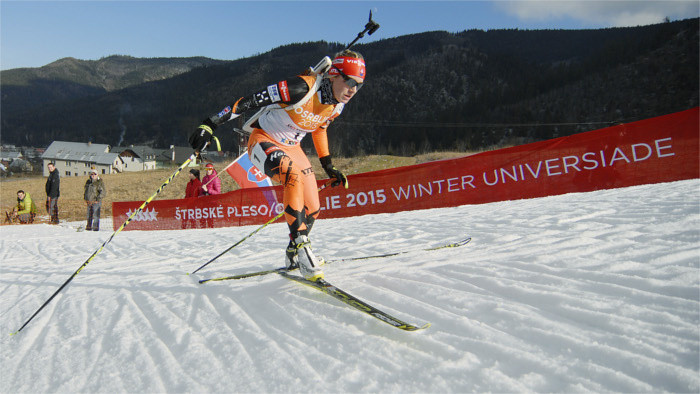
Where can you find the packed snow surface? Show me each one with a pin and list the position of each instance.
(574, 293)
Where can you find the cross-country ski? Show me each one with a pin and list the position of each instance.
(353, 301)
(375, 256)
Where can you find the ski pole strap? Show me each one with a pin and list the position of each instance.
(207, 128)
(213, 137)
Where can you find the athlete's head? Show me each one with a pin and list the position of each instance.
(347, 74)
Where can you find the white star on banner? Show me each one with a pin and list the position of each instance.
(145, 215)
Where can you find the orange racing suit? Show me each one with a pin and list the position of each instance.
(291, 109)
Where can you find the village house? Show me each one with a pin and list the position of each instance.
(78, 158)
(9, 156)
(14, 161)
(137, 158)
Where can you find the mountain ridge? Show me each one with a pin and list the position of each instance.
(425, 91)
(111, 73)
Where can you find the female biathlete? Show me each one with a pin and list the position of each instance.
(291, 109)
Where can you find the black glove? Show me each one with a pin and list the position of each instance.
(333, 172)
(202, 136)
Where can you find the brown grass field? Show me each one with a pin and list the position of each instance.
(138, 186)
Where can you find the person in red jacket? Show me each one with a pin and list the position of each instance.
(194, 186)
(193, 189)
(304, 104)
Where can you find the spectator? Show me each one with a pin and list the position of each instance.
(94, 193)
(193, 189)
(25, 211)
(52, 193)
(211, 184)
(194, 186)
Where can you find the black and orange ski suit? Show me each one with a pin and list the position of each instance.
(291, 109)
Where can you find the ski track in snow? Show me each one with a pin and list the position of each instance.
(581, 292)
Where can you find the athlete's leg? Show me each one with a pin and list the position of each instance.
(308, 179)
(290, 167)
(276, 163)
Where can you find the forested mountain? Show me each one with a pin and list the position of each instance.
(69, 78)
(434, 90)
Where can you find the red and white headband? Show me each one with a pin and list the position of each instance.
(350, 66)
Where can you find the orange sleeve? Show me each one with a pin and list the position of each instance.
(321, 142)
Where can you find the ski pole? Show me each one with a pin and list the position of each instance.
(325, 185)
(167, 181)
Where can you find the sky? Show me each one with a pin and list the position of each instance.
(36, 33)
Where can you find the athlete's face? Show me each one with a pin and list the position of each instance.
(341, 91)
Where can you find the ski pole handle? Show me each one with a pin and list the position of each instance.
(325, 185)
(370, 28)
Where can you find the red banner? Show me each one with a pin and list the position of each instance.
(661, 149)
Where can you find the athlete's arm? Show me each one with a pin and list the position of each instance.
(289, 91)
(321, 142)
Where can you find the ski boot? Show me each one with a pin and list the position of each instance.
(309, 266)
(291, 260)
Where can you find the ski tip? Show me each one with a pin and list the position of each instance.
(416, 328)
(411, 327)
(463, 242)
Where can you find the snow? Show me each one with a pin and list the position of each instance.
(575, 293)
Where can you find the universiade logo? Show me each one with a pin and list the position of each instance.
(143, 216)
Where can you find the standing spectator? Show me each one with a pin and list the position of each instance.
(194, 186)
(25, 211)
(211, 184)
(52, 193)
(94, 193)
(193, 189)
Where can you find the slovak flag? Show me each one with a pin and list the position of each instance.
(246, 174)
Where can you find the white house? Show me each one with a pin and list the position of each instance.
(9, 156)
(78, 158)
(137, 158)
